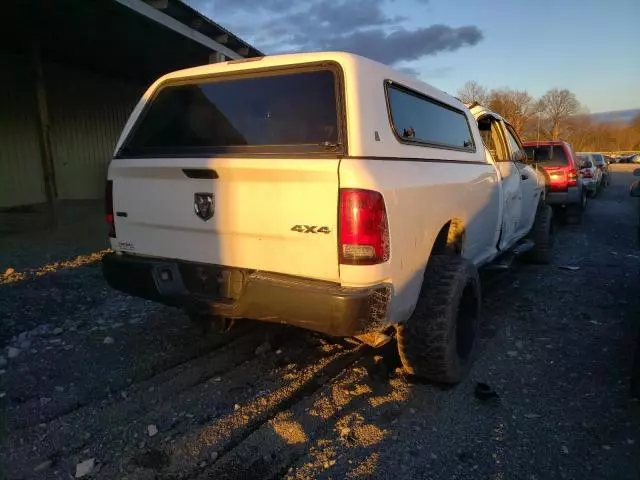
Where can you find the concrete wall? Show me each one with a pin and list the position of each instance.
(87, 112)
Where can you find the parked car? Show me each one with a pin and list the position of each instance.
(314, 190)
(591, 175)
(634, 158)
(603, 166)
(566, 190)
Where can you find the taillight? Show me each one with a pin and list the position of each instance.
(363, 227)
(108, 204)
(562, 177)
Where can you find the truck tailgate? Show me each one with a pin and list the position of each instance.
(277, 215)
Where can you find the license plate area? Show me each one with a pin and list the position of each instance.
(213, 282)
(168, 280)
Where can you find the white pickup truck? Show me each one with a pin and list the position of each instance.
(325, 191)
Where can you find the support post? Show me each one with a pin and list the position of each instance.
(216, 57)
(44, 126)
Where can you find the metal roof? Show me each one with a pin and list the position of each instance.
(197, 21)
(132, 39)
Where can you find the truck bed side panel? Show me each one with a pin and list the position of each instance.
(421, 197)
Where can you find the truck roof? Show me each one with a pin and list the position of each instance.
(368, 69)
(364, 87)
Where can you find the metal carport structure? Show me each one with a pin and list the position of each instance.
(72, 71)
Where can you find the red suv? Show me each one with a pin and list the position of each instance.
(566, 191)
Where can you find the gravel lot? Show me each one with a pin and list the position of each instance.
(97, 384)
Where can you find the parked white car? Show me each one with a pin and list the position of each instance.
(590, 173)
(326, 191)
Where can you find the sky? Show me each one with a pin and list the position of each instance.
(591, 47)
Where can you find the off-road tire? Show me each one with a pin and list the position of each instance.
(542, 236)
(438, 342)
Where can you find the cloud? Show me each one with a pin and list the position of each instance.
(405, 45)
(409, 71)
(348, 15)
(373, 28)
(425, 73)
(248, 6)
(439, 72)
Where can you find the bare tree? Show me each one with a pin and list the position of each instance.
(473, 92)
(517, 106)
(635, 131)
(580, 132)
(556, 106)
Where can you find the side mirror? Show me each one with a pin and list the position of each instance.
(519, 157)
(634, 191)
(636, 172)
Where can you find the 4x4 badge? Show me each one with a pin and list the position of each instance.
(204, 205)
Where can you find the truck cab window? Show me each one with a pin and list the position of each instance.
(490, 133)
(514, 145)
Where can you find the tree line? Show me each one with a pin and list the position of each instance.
(555, 115)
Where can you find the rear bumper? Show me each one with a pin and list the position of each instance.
(591, 184)
(572, 196)
(315, 305)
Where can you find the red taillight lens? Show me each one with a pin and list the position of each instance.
(562, 177)
(108, 205)
(364, 230)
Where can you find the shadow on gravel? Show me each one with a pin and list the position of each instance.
(329, 400)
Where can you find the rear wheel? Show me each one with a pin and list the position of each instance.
(542, 236)
(438, 342)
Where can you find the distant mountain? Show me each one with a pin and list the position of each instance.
(616, 116)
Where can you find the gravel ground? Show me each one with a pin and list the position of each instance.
(95, 384)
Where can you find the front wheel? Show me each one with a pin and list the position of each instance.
(438, 342)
